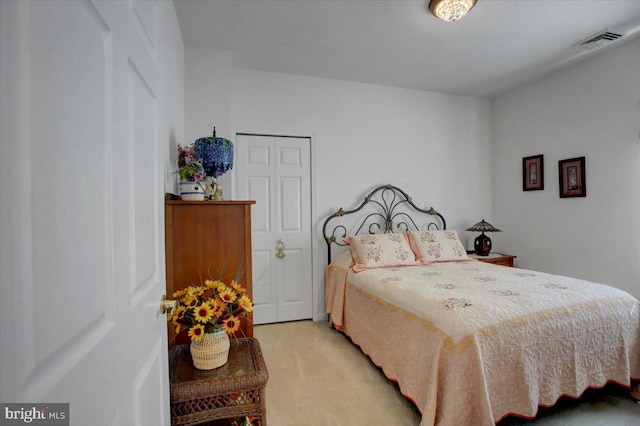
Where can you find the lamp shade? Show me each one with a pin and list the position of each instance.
(483, 226)
(216, 154)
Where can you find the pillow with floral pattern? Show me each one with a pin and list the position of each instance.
(437, 246)
(380, 250)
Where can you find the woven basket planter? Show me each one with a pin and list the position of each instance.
(210, 352)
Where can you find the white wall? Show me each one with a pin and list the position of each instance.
(590, 109)
(436, 147)
(208, 91)
(173, 90)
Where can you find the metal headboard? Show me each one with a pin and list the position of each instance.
(392, 208)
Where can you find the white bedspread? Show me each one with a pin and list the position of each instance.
(470, 342)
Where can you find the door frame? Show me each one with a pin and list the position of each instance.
(317, 279)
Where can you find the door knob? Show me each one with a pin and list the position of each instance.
(280, 249)
(167, 305)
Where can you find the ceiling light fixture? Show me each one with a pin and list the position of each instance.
(450, 10)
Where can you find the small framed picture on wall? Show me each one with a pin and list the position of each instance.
(533, 173)
(573, 180)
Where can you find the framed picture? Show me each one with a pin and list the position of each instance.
(533, 173)
(573, 182)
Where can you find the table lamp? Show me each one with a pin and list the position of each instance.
(216, 155)
(482, 243)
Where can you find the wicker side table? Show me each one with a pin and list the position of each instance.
(237, 389)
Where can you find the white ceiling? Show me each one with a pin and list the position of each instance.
(499, 45)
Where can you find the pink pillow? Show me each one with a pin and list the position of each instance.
(437, 246)
(380, 250)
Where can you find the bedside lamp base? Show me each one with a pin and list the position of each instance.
(482, 245)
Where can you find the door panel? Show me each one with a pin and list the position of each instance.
(257, 156)
(259, 189)
(282, 166)
(294, 194)
(291, 269)
(149, 379)
(264, 290)
(83, 247)
(143, 146)
(290, 156)
(290, 205)
(59, 233)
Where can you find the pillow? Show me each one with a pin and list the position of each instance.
(437, 246)
(380, 250)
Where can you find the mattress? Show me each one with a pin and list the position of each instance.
(471, 343)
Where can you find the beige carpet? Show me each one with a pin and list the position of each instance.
(318, 377)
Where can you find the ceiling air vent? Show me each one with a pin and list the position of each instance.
(599, 40)
(605, 37)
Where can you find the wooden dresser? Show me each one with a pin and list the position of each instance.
(200, 238)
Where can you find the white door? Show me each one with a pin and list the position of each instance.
(81, 210)
(276, 172)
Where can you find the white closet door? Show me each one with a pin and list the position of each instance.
(82, 235)
(275, 171)
(255, 181)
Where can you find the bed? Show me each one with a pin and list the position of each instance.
(469, 342)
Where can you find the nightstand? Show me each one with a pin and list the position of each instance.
(495, 258)
(237, 389)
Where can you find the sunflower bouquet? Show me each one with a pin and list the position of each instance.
(209, 307)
